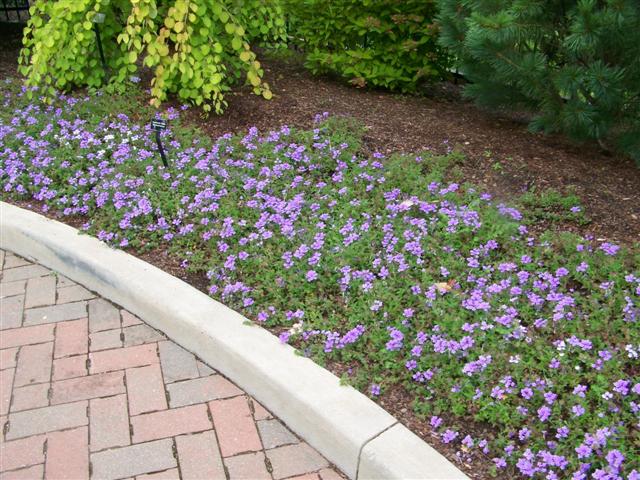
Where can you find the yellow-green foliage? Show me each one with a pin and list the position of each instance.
(380, 43)
(196, 48)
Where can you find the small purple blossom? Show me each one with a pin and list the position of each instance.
(544, 413)
(609, 248)
(449, 436)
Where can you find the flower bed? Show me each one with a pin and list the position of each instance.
(377, 263)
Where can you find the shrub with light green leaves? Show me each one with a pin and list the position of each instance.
(264, 22)
(381, 43)
(196, 48)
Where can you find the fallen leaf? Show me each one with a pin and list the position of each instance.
(444, 287)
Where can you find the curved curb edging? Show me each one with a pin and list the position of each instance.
(349, 429)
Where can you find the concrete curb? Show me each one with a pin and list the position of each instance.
(350, 430)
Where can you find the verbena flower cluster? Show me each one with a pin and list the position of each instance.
(519, 349)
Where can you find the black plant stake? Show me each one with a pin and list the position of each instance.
(158, 125)
(97, 20)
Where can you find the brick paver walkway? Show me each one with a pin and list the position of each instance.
(87, 390)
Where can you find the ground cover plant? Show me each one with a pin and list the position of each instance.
(377, 263)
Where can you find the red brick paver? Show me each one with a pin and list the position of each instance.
(88, 390)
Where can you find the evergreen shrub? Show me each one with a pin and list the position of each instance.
(574, 63)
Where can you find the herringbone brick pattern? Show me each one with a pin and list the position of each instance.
(87, 390)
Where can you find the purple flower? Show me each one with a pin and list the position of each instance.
(500, 462)
(609, 248)
(580, 390)
(375, 389)
(583, 451)
(555, 363)
(526, 466)
(284, 337)
(477, 366)
(435, 422)
(544, 413)
(411, 365)
(449, 436)
(622, 387)
(396, 341)
(615, 459)
(509, 212)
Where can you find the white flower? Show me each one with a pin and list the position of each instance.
(296, 328)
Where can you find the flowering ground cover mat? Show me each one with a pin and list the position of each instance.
(519, 350)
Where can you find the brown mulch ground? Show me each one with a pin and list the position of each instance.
(501, 156)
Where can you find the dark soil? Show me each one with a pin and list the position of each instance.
(501, 156)
(10, 36)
